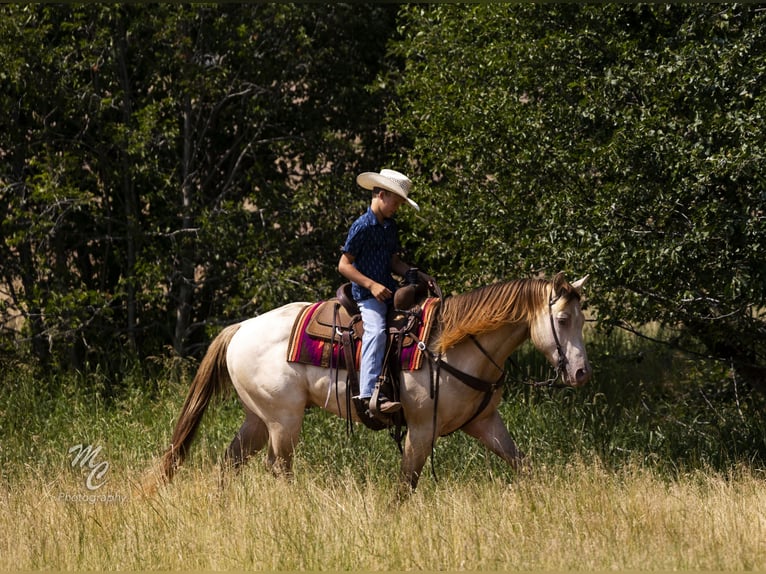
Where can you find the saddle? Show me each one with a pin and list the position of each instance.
(342, 313)
(338, 313)
(329, 334)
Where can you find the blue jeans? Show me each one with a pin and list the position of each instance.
(373, 344)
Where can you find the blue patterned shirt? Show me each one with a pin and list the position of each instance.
(372, 244)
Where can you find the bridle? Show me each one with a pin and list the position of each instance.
(562, 358)
(561, 363)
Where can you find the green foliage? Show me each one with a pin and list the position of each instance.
(613, 140)
(167, 169)
(647, 404)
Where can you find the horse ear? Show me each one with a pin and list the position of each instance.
(559, 283)
(577, 285)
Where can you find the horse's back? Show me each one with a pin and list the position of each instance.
(266, 334)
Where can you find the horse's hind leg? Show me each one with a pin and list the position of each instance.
(251, 437)
(283, 437)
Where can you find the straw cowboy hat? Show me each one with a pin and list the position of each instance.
(389, 180)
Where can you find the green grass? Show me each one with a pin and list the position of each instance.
(645, 405)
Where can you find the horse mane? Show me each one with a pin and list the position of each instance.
(487, 308)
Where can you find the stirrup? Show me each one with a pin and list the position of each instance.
(375, 405)
(368, 419)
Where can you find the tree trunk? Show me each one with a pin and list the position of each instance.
(184, 261)
(130, 200)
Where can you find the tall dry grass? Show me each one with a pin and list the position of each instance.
(579, 516)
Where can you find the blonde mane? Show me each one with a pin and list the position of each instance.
(487, 308)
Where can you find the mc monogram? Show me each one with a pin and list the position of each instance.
(85, 457)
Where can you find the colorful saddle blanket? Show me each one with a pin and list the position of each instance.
(311, 341)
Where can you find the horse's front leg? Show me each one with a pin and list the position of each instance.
(417, 446)
(491, 432)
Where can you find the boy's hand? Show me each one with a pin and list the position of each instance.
(380, 292)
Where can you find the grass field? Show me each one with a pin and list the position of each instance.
(657, 465)
(579, 516)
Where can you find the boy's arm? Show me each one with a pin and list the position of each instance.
(347, 269)
(398, 266)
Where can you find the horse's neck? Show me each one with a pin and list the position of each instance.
(498, 344)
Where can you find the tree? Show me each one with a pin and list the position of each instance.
(170, 168)
(616, 140)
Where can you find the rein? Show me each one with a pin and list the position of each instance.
(490, 387)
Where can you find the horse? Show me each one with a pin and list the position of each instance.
(476, 332)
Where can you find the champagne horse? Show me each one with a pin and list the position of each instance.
(477, 332)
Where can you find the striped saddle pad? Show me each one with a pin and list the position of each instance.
(312, 342)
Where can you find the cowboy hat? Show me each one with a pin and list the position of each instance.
(389, 180)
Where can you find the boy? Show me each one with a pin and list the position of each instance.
(370, 255)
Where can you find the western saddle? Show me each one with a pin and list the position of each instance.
(402, 323)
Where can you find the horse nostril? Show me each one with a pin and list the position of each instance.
(582, 375)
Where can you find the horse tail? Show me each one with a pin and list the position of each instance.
(212, 379)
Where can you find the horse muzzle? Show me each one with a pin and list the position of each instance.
(580, 377)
